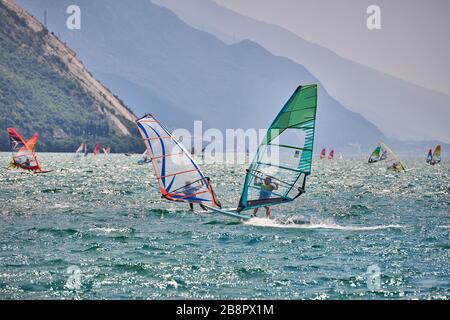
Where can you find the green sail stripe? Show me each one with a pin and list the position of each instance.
(290, 147)
(277, 166)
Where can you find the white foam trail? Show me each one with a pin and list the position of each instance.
(110, 230)
(445, 227)
(263, 222)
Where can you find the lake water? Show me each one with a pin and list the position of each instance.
(99, 230)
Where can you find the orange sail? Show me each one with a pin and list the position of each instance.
(436, 155)
(32, 142)
(96, 150)
(23, 153)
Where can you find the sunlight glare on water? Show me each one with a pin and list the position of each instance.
(105, 216)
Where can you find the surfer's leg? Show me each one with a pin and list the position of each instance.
(203, 207)
(254, 212)
(267, 212)
(191, 206)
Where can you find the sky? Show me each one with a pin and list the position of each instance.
(413, 42)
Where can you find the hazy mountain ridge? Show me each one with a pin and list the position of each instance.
(45, 88)
(190, 72)
(400, 109)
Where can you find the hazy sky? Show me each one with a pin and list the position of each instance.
(413, 44)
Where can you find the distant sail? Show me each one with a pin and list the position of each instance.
(86, 152)
(96, 150)
(383, 154)
(273, 166)
(331, 155)
(107, 150)
(375, 156)
(144, 159)
(297, 154)
(79, 150)
(378, 154)
(323, 154)
(179, 177)
(23, 153)
(392, 161)
(32, 142)
(430, 156)
(436, 155)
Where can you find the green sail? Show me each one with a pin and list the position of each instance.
(276, 176)
(375, 156)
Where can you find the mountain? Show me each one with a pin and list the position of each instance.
(150, 57)
(45, 88)
(400, 109)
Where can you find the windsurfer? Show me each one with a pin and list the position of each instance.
(22, 161)
(267, 186)
(397, 166)
(189, 190)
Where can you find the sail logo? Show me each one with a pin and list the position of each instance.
(73, 21)
(374, 19)
(373, 277)
(74, 280)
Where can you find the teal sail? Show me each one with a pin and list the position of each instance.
(375, 156)
(274, 176)
(378, 154)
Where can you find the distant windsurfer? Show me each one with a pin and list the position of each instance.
(397, 166)
(22, 161)
(266, 187)
(145, 159)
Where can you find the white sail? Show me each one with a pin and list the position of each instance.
(179, 177)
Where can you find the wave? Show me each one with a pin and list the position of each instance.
(300, 224)
(105, 230)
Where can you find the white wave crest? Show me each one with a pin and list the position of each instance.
(296, 224)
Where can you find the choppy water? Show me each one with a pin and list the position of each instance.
(102, 216)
